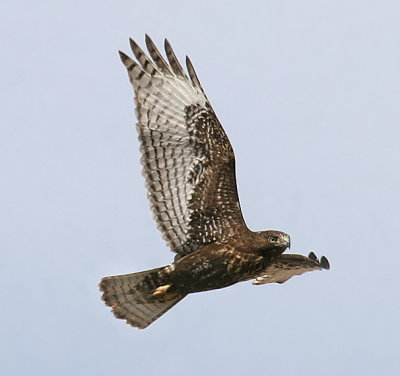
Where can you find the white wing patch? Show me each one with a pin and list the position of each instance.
(175, 122)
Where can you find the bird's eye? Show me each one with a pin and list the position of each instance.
(273, 239)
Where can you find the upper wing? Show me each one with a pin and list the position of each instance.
(188, 161)
(287, 266)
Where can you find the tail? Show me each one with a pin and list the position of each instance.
(131, 297)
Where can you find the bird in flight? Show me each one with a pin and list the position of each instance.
(189, 168)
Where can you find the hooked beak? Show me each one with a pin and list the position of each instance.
(285, 240)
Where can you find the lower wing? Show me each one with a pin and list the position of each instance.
(287, 266)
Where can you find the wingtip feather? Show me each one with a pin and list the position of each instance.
(126, 60)
(124, 57)
(325, 263)
(173, 60)
(133, 45)
(313, 256)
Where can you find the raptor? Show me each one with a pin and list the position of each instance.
(189, 169)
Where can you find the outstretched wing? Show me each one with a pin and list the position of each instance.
(188, 161)
(287, 266)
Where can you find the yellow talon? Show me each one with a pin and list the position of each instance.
(161, 290)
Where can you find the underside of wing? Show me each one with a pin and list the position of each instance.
(287, 266)
(188, 161)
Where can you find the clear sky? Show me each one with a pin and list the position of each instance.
(309, 94)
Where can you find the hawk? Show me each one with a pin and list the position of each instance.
(189, 168)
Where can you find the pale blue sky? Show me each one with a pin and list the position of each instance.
(309, 94)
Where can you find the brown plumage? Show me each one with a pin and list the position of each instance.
(189, 168)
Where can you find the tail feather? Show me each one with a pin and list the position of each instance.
(130, 297)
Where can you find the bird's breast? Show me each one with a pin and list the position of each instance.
(210, 269)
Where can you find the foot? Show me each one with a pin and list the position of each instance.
(161, 290)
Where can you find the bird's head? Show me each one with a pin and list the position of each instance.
(275, 240)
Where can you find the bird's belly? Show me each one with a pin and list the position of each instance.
(203, 272)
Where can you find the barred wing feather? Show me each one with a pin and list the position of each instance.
(287, 266)
(188, 161)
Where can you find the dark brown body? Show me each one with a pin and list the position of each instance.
(140, 298)
(219, 265)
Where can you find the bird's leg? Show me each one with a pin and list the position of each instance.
(161, 290)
